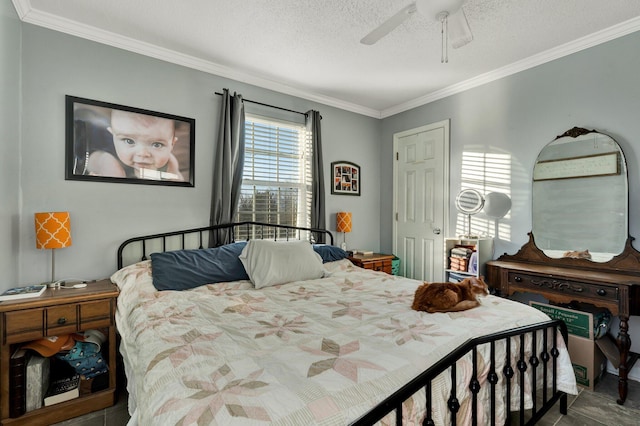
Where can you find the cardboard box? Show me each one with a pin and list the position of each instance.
(589, 363)
(578, 323)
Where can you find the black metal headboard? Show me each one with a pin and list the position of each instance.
(198, 238)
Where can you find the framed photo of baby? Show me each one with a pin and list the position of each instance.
(346, 179)
(116, 143)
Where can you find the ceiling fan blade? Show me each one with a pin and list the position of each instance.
(459, 31)
(389, 25)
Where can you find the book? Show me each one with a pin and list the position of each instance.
(37, 381)
(361, 252)
(17, 382)
(23, 292)
(62, 389)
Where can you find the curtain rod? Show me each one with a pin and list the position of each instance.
(270, 106)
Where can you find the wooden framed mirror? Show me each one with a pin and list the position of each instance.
(580, 197)
(580, 202)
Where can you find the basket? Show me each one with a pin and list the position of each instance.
(395, 265)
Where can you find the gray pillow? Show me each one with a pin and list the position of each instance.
(185, 269)
(274, 262)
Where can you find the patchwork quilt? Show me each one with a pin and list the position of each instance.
(318, 352)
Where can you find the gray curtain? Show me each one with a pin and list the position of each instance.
(317, 187)
(227, 166)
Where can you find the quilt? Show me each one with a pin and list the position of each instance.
(316, 352)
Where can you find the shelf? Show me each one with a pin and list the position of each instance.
(484, 250)
(460, 272)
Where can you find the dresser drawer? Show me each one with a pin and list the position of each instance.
(563, 286)
(61, 319)
(24, 325)
(32, 324)
(96, 314)
(381, 265)
(376, 262)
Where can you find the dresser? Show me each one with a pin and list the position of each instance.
(614, 285)
(375, 261)
(59, 311)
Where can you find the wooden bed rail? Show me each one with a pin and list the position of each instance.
(549, 353)
(246, 230)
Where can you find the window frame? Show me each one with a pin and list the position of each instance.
(303, 185)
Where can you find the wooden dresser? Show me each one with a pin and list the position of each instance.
(57, 312)
(614, 285)
(375, 261)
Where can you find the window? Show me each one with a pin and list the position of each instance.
(276, 182)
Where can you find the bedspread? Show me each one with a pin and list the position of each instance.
(318, 352)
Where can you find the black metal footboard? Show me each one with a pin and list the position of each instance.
(544, 394)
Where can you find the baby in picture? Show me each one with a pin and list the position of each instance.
(143, 146)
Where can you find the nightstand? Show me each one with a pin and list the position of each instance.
(59, 311)
(375, 261)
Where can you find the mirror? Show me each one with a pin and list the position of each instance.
(580, 199)
(469, 202)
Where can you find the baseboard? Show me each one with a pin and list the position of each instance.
(634, 374)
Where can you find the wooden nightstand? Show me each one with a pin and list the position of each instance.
(58, 312)
(375, 261)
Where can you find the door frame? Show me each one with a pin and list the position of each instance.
(445, 124)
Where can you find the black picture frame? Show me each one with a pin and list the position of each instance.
(98, 151)
(346, 178)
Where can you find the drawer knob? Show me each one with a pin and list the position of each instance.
(517, 279)
(62, 320)
(601, 292)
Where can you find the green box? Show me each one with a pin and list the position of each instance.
(578, 323)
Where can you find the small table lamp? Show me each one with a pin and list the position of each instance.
(343, 224)
(53, 231)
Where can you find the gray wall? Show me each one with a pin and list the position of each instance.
(10, 143)
(517, 116)
(104, 214)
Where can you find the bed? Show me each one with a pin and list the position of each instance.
(340, 348)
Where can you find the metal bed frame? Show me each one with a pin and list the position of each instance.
(546, 360)
(253, 230)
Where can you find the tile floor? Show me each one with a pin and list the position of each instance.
(588, 409)
(599, 407)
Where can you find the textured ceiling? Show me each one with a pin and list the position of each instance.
(312, 49)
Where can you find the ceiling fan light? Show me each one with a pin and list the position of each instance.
(431, 8)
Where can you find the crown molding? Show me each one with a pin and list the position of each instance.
(53, 22)
(608, 34)
(28, 14)
(23, 7)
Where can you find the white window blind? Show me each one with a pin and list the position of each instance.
(276, 182)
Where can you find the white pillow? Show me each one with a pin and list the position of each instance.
(273, 262)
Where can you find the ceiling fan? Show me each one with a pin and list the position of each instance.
(448, 12)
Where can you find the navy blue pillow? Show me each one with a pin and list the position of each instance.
(330, 253)
(185, 269)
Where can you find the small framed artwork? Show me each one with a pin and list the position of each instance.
(106, 142)
(346, 178)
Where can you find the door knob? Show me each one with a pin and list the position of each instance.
(436, 231)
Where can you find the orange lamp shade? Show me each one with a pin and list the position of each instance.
(343, 221)
(53, 230)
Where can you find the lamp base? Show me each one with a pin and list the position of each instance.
(343, 246)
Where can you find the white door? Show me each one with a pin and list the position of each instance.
(421, 200)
